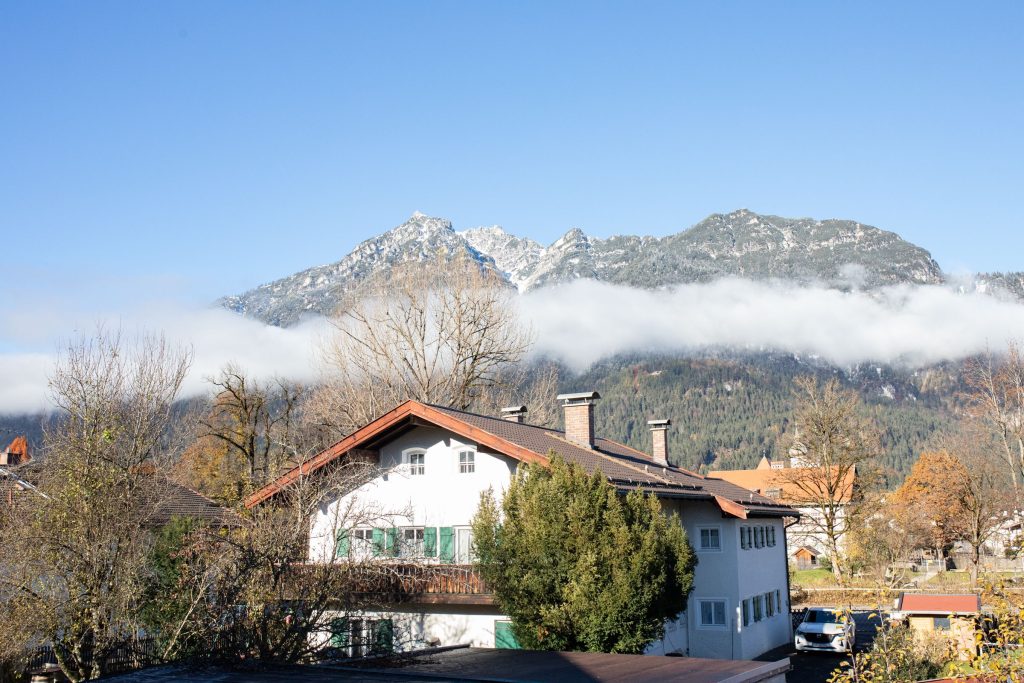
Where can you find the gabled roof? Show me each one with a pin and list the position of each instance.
(167, 499)
(939, 604)
(763, 479)
(625, 467)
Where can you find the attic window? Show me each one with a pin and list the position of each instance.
(416, 460)
(467, 462)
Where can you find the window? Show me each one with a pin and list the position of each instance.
(712, 613)
(464, 545)
(412, 543)
(778, 601)
(748, 531)
(773, 493)
(746, 612)
(757, 537)
(710, 538)
(758, 607)
(769, 605)
(940, 623)
(467, 462)
(417, 464)
(360, 637)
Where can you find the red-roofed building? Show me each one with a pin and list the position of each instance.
(431, 465)
(17, 453)
(950, 617)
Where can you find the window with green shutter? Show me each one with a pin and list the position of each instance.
(430, 541)
(341, 544)
(447, 550)
(383, 637)
(339, 632)
(378, 542)
(391, 541)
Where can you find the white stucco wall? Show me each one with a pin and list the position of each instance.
(441, 497)
(416, 628)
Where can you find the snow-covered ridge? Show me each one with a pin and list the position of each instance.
(738, 244)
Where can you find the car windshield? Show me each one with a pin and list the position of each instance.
(821, 616)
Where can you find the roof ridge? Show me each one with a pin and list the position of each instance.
(490, 417)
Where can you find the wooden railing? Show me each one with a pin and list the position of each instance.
(404, 582)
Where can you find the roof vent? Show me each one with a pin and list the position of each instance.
(514, 414)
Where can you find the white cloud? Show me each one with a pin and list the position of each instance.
(577, 323)
(908, 325)
(215, 335)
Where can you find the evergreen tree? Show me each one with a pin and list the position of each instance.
(578, 566)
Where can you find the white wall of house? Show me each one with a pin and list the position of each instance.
(427, 626)
(441, 496)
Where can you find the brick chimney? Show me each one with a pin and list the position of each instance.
(579, 417)
(659, 434)
(514, 414)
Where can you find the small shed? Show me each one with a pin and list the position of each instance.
(950, 616)
(806, 557)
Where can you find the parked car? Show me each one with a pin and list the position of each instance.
(826, 630)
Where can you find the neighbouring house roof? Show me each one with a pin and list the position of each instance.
(764, 479)
(807, 550)
(16, 453)
(463, 663)
(939, 604)
(625, 467)
(169, 498)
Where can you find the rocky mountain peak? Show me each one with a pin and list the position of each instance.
(737, 244)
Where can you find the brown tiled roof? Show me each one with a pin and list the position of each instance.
(793, 490)
(625, 467)
(169, 500)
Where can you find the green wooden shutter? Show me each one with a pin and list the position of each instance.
(384, 636)
(391, 541)
(447, 544)
(378, 542)
(341, 544)
(339, 632)
(504, 637)
(430, 541)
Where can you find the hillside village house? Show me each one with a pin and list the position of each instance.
(807, 545)
(431, 464)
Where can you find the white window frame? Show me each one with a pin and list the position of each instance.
(415, 550)
(700, 539)
(468, 467)
(417, 469)
(725, 614)
(458, 546)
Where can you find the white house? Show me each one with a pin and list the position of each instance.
(432, 463)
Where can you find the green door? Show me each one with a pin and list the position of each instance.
(503, 636)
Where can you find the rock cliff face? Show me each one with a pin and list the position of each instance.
(741, 244)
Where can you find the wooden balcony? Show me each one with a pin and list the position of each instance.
(393, 582)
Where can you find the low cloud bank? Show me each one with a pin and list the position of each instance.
(905, 325)
(578, 324)
(215, 335)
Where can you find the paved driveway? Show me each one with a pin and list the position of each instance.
(816, 667)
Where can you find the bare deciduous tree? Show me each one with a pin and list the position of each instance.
(982, 488)
(74, 550)
(996, 396)
(444, 332)
(834, 446)
(252, 430)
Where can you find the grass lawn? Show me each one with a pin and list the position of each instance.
(814, 578)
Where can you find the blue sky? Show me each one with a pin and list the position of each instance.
(184, 150)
